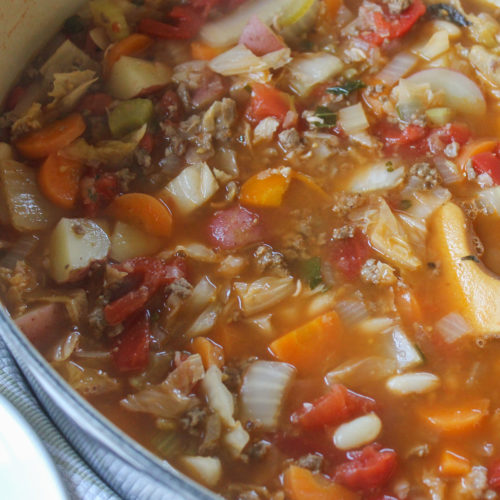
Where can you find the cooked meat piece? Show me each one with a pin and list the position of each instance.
(289, 139)
(268, 261)
(378, 273)
(311, 461)
(427, 175)
(397, 6)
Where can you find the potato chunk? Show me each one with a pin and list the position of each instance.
(74, 245)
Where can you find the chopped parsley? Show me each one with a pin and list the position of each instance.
(471, 257)
(327, 118)
(248, 88)
(390, 167)
(405, 204)
(311, 272)
(348, 87)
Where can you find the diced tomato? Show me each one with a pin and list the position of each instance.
(131, 348)
(147, 142)
(348, 255)
(213, 88)
(95, 104)
(494, 475)
(260, 38)
(454, 132)
(389, 27)
(487, 163)
(154, 273)
(97, 191)
(367, 469)
(268, 101)
(14, 97)
(333, 408)
(234, 227)
(184, 23)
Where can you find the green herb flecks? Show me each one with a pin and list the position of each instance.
(311, 272)
(405, 204)
(389, 166)
(327, 118)
(348, 87)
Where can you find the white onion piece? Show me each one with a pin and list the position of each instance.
(438, 43)
(448, 170)
(373, 368)
(351, 311)
(452, 327)
(490, 198)
(206, 470)
(460, 92)
(264, 293)
(353, 118)
(263, 390)
(204, 322)
(193, 187)
(219, 399)
(307, 70)
(20, 250)
(406, 354)
(425, 203)
(203, 294)
(376, 177)
(397, 68)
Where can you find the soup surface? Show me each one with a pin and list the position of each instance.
(263, 237)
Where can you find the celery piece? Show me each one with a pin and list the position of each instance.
(111, 17)
(439, 116)
(129, 115)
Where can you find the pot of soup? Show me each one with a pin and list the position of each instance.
(249, 248)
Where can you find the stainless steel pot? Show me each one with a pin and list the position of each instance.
(133, 472)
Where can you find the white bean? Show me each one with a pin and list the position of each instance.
(357, 432)
(413, 383)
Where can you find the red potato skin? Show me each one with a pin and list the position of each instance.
(40, 324)
(259, 38)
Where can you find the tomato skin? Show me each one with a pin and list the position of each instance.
(367, 469)
(349, 255)
(391, 27)
(487, 163)
(333, 408)
(494, 475)
(131, 348)
(268, 101)
(187, 22)
(98, 190)
(234, 227)
(170, 107)
(154, 273)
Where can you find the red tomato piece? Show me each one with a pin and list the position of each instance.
(348, 255)
(97, 191)
(234, 227)
(170, 107)
(186, 22)
(147, 143)
(333, 408)
(487, 163)
(268, 101)
(367, 469)
(494, 475)
(154, 273)
(95, 104)
(131, 348)
(392, 26)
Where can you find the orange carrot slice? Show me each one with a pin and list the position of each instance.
(204, 52)
(456, 419)
(59, 180)
(310, 346)
(302, 484)
(474, 148)
(453, 464)
(265, 189)
(143, 211)
(51, 138)
(133, 44)
(210, 352)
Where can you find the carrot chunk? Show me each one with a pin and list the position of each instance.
(453, 464)
(137, 42)
(265, 189)
(210, 352)
(204, 52)
(51, 138)
(310, 346)
(456, 419)
(302, 484)
(143, 211)
(472, 149)
(59, 180)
